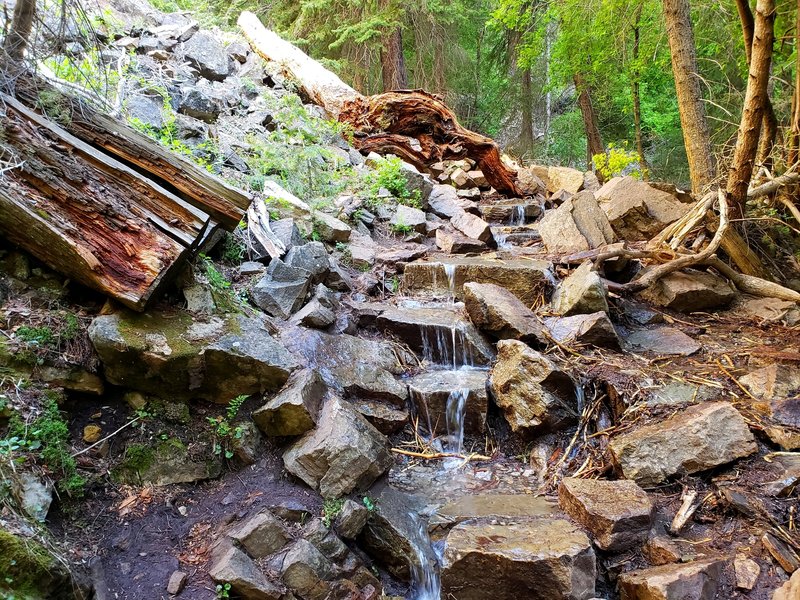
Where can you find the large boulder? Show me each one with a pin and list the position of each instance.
(700, 437)
(636, 210)
(306, 570)
(207, 54)
(431, 394)
(409, 217)
(444, 201)
(295, 409)
(581, 293)
(245, 578)
(344, 453)
(454, 242)
(472, 226)
(564, 178)
(501, 314)
(577, 225)
(618, 514)
(698, 580)
(532, 392)
(261, 535)
(690, 291)
(172, 355)
(546, 559)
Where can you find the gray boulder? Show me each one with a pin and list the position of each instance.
(580, 293)
(577, 225)
(295, 409)
(690, 291)
(500, 313)
(246, 580)
(207, 54)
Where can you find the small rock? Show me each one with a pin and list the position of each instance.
(595, 329)
(697, 580)
(618, 514)
(136, 400)
(351, 519)
(176, 583)
(661, 550)
(261, 535)
(472, 226)
(747, 572)
(92, 433)
(690, 291)
(236, 568)
(35, 497)
(251, 267)
(700, 437)
(456, 243)
(497, 311)
(385, 418)
(408, 216)
(531, 391)
(315, 314)
(581, 293)
(305, 570)
(663, 340)
(207, 54)
(295, 409)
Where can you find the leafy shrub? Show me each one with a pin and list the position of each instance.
(619, 161)
(390, 176)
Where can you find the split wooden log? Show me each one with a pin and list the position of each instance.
(89, 216)
(225, 203)
(414, 125)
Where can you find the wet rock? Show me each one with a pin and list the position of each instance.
(408, 216)
(595, 329)
(455, 243)
(279, 298)
(295, 409)
(440, 335)
(662, 340)
(637, 211)
(385, 418)
(173, 355)
(207, 54)
(578, 224)
(789, 590)
(701, 437)
(390, 530)
(351, 519)
(261, 535)
(697, 580)
(176, 583)
(371, 382)
(545, 559)
(514, 211)
(564, 178)
(494, 507)
(746, 571)
(305, 570)
(527, 279)
(690, 291)
(531, 391)
(618, 514)
(472, 226)
(246, 580)
(342, 454)
(581, 293)
(500, 313)
(431, 393)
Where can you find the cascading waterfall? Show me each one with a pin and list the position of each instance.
(502, 240)
(450, 271)
(456, 405)
(425, 582)
(517, 218)
(445, 346)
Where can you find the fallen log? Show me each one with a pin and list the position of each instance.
(225, 203)
(89, 216)
(414, 125)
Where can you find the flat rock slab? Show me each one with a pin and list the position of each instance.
(663, 340)
(501, 314)
(690, 291)
(618, 514)
(431, 391)
(546, 559)
(440, 335)
(527, 279)
(494, 506)
(171, 355)
(700, 437)
(697, 580)
(595, 329)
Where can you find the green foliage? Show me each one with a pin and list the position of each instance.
(389, 175)
(55, 106)
(224, 429)
(331, 509)
(618, 161)
(401, 228)
(223, 590)
(369, 503)
(233, 249)
(89, 72)
(225, 299)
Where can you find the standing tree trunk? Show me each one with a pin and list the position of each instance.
(753, 111)
(525, 141)
(696, 138)
(393, 64)
(794, 132)
(637, 104)
(17, 39)
(594, 143)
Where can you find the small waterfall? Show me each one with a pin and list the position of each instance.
(502, 240)
(517, 216)
(456, 405)
(450, 271)
(425, 583)
(446, 346)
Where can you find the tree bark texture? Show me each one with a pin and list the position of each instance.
(753, 111)
(393, 63)
(594, 143)
(696, 138)
(637, 102)
(414, 125)
(793, 153)
(89, 216)
(525, 141)
(21, 25)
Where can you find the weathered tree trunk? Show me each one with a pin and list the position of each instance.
(793, 151)
(696, 136)
(769, 122)
(393, 63)
(525, 140)
(412, 124)
(198, 187)
(21, 25)
(753, 111)
(594, 143)
(637, 103)
(89, 216)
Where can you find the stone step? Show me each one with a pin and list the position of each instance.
(527, 279)
(431, 391)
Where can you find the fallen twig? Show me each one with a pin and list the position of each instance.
(109, 436)
(438, 455)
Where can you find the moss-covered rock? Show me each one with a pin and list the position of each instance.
(170, 461)
(31, 572)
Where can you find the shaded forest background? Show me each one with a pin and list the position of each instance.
(515, 69)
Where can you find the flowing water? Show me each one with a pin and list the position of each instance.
(445, 346)
(425, 583)
(517, 216)
(456, 405)
(502, 240)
